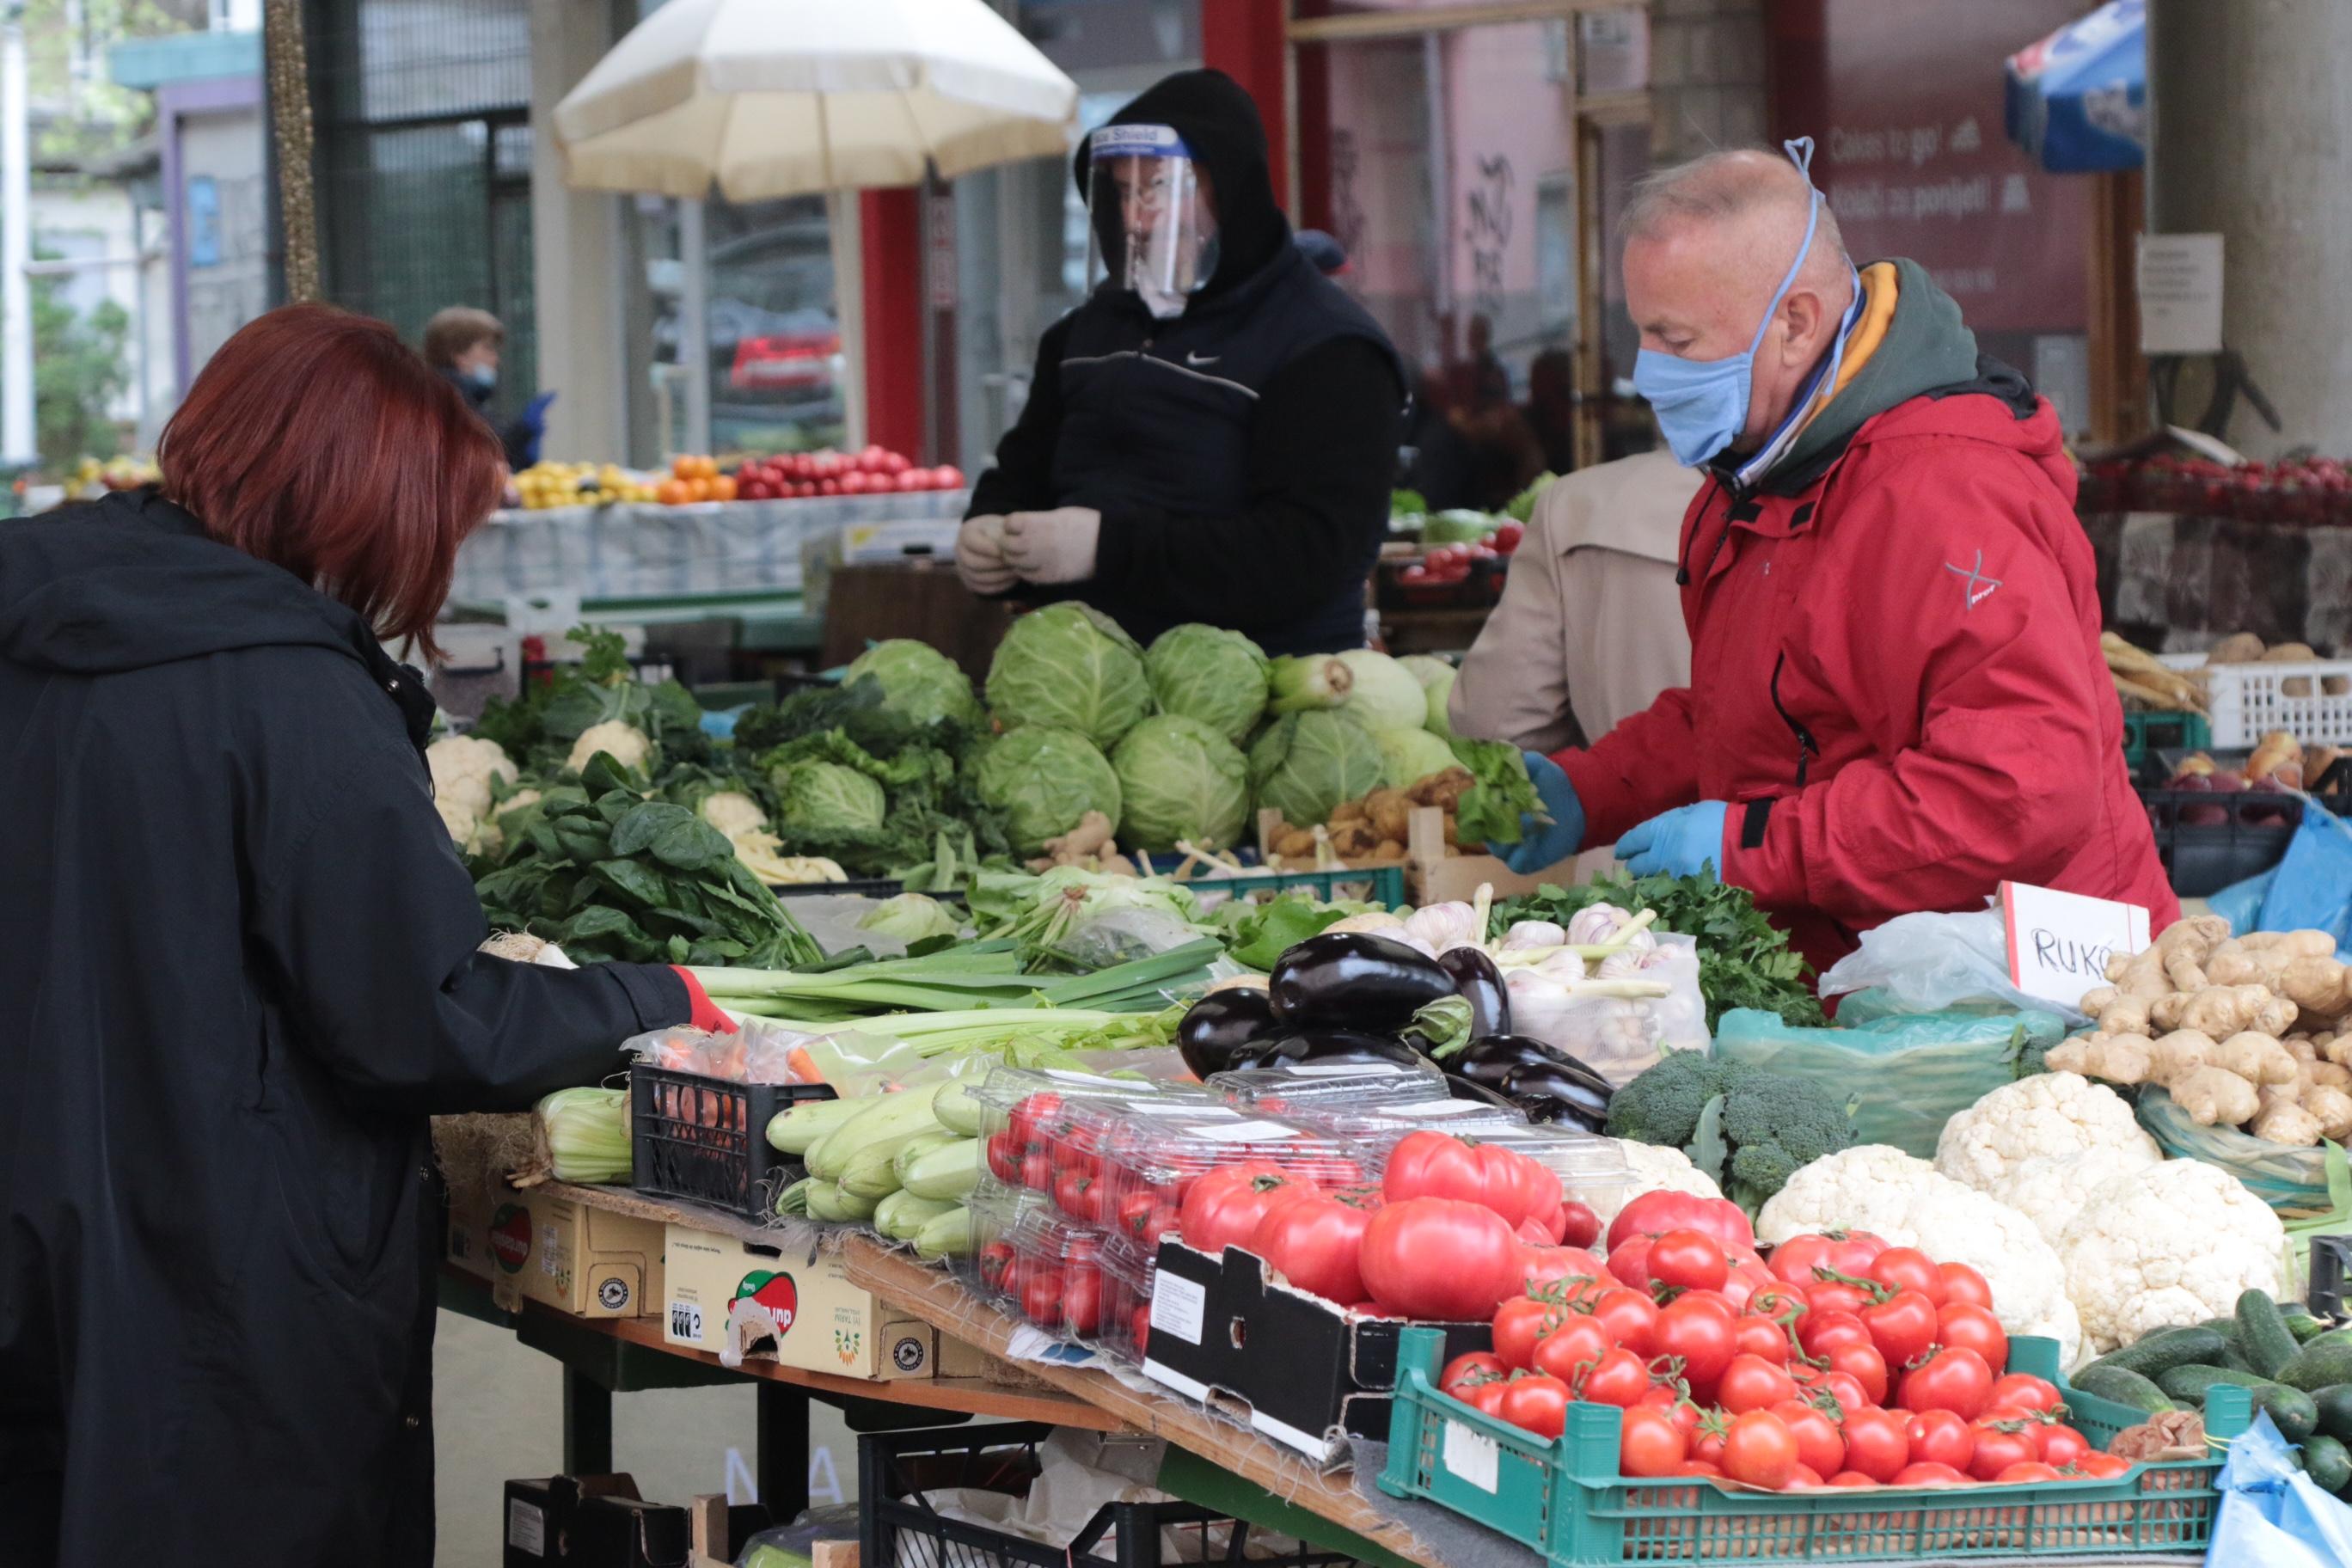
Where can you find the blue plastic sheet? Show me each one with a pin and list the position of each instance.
(2312, 888)
(2271, 1513)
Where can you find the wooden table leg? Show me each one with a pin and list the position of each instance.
(783, 1461)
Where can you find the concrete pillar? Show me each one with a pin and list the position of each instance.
(2249, 118)
(576, 250)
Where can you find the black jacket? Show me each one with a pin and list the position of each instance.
(1241, 455)
(237, 970)
(516, 438)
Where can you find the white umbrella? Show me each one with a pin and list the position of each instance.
(777, 97)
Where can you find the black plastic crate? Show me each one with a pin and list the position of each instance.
(2203, 856)
(896, 1527)
(706, 1139)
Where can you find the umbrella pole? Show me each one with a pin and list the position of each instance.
(843, 220)
(694, 323)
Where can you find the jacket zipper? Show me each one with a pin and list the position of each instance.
(1806, 750)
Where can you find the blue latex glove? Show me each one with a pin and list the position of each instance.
(1677, 843)
(1541, 845)
(533, 417)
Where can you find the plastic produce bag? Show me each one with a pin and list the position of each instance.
(1619, 1038)
(1931, 963)
(2271, 1512)
(794, 1545)
(1121, 935)
(2292, 1180)
(1907, 1075)
(2312, 888)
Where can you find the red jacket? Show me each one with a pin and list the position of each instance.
(1896, 682)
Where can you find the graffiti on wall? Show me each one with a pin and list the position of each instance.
(1489, 232)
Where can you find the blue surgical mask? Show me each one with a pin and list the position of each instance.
(1702, 404)
(483, 376)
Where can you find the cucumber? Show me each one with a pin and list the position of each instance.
(2160, 1352)
(2335, 1403)
(2232, 1358)
(2327, 1463)
(2302, 1325)
(2291, 1410)
(2123, 1386)
(2326, 1360)
(2261, 1334)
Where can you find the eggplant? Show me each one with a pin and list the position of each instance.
(1323, 1046)
(1478, 982)
(1350, 980)
(1569, 1096)
(1460, 1088)
(1221, 1026)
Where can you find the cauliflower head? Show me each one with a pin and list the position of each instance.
(461, 824)
(626, 743)
(2166, 1245)
(2048, 1113)
(732, 812)
(490, 834)
(1655, 1167)
(2050, 1189)
(463, 767)
(1867, 1187)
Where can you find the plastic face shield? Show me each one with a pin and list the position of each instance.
(1153, 232)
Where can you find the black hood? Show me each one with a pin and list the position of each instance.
(1219, 121)
(131, 581)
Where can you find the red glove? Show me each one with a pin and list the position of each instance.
(707, 1014)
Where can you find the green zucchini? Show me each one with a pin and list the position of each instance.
(2326, 1360)
(2335, 1403)
(2160, 1352)
(2327, 1463)
(2261, 1334)
(2122, 1385)
(2291, 1410)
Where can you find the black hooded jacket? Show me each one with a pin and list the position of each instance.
(237, 970)
(1241, 455)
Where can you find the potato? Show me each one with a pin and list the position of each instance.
(2290, 653)
(2238, 648)
(1348, 811)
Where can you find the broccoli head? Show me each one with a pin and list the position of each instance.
(1664, 1104)
(1764, 1126)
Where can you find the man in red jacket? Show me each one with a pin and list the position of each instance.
(1897, 700)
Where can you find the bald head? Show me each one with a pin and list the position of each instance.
(1706, 244)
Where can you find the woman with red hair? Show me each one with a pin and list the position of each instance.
(239, 970)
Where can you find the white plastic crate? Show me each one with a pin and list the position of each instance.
(2246, 702)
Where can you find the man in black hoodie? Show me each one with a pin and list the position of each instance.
(1222, 453)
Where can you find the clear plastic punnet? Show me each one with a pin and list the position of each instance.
(1055, 1276)
(1377, 1111)
(1127, 1276)
(995, 1208)
(1042, 1127)
(1592, 1169)
(1150, 1164)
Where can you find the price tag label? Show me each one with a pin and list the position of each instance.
(1472, 1456)
(2059, 944)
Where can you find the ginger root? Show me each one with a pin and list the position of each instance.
(2281, 1121)
(2331, 1107)
(2213, 1095)
(2319, 986)
(2117, 1013)
(2222, 1011)
(2117, 1058)
(2258, 1059)
(2176, 961)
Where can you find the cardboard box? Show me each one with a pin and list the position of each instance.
(590, 1262)
(747, 1301)
(590, 1522)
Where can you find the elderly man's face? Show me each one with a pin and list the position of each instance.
(1697, 292)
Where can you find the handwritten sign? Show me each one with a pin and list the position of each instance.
(2059, 944)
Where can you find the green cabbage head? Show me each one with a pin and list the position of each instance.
(1042, 780)
(1411, 756)
(1209, 673)
(919, 683)
(1383, 694)
(814, 797)
(1071, 667)
(1178, 778)
(1306, 764)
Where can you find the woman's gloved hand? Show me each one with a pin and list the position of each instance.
(1541, 843)
(1677, 843)
(980, 556)
(707, 1015)
(1052, 547)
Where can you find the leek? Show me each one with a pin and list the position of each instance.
(986, 975)
(587, 1135)
(1315, 680)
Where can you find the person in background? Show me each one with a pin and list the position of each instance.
(243, 970)
(1550, 408)
(463, 345)
(1897, 700)
(1212, 434)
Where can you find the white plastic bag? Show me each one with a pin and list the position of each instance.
(1929, 962)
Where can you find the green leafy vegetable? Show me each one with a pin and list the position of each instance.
(1178, 780)
(542, 724)
(1045, 780)
(1501, 794)
(1522, 506)
(1070, 667)
(1208, 673)
(1306, 764)
(1258, 935)
(919, 684)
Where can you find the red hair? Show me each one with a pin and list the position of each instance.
(316, 439)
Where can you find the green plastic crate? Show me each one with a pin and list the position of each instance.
(1566, 1500)
(1386, 883)
(2163, 730)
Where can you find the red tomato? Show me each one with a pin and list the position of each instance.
(2061, 1446)
(1140, 1327)
(1707, 1437)
(1225, 1207)
(1437, 1258)
(1041, 1297)
(1962, 1283)
(1671, 1401)
(1076, 1195)
(1818, 1447)
(1998, 1445)
(1698, 1468)
(1779, 1300)
(1864, 1365)
(1486, 1398)
(1437, 1165)
(1144, 1216)
(1748, 1276)
(2025, 1471)
(1974, 1328)
(1650, 1444)
(1831, 1296)
(1846, 1391)
(1003, 1158)
(1654, 1214)
(1538, 1404)
(1929, 1474)
(1688, 1260)
(1570, 1346)
(1698, 1330)
(1315, 1243)
(1630, 1261)
(1804, 1479)
(1580, 1226)
(2101, 1466)
(995, 1263)
(1751, 1383)
(1575, 1269)
(1954, 1380)
(2023, 1390)
(1030, 1119)
(1761, 1450)
(1851, 1478)
(1470, 1369)
(1082, 1302)
(1619, 1378)
(1908, 1268)
(1902, 1327)
(1941, 1437)
(1820, 1332)
(1877, 1443)
(1037, 1171)
(1519, 1322)
(1631, 1318)
(947, 476)
(1762, 1336)
(1795, 1259)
